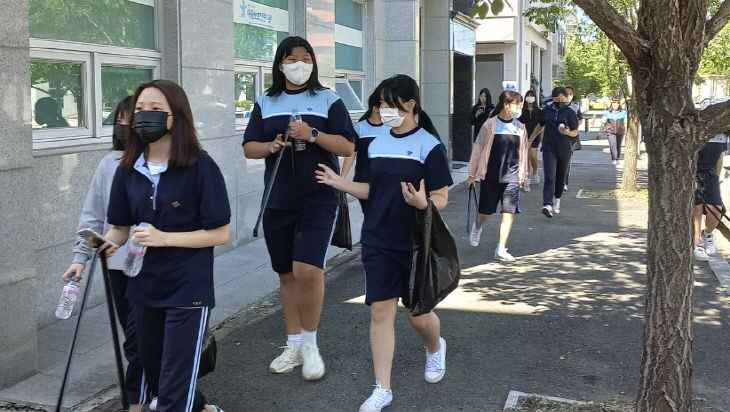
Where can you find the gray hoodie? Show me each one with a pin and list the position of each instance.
(93, 215)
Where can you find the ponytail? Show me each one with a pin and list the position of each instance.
(426, 124)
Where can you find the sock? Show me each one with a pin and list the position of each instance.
(308, 336)
(296, 340)
(501, 247)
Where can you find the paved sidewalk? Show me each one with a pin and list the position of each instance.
(565, 320)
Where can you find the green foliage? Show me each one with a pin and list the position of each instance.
(482, 8)
(716, 59)
(109, 22)
(592, 63)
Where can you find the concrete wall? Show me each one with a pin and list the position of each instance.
(436, 80)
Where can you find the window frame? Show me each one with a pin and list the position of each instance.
(348, 76)
(92, 57)
(256, 68)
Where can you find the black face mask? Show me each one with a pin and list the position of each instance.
(120, 131)
(150, 125)
(558, 105)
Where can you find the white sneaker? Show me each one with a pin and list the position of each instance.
(475, 235)
(436, 364)
(565, 188)
(547, 210)
(153, 404)
(709, 241)
(701, 254)
(379, 399)
(502, 255)
(537, 178)
(288, 360)
(313, 368)
(556, 206)
(614, 163)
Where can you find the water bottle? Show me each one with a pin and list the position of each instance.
(135, 247)
(299, 145)
(68, 298)
(135, 257)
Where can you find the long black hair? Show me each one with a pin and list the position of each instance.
(402, 88)
(373, 101)
(124, 108)
(507, 97)
(488, 103)
(279, 80)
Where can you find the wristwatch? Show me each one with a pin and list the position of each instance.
(315, 135)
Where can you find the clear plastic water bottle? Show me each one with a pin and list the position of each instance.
(68, 298)
(299, 145)
(135, 257)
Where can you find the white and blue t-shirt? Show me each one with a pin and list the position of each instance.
(296, 185)
(392, 159)
(503, 163)
(366, 132)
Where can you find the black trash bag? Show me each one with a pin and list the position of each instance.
(342, 237)
(435, 272)
(208, 355)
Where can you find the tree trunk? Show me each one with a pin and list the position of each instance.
(629, 179)
(666, 366)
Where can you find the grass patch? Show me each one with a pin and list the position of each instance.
(642, 194)
(541, 405)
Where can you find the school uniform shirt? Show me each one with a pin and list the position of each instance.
(530, 118)
(503, 164)
(710, 155)
(180, 201)
(551, 119)
(366, 132)
(295, 185)
(393, 159)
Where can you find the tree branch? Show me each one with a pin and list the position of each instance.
(621, 32)
(715, 119)
(717, 22)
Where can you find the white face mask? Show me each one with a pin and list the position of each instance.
(570, 99)
(390, 117)
(297, 73)
(530, 99)
(515, 113)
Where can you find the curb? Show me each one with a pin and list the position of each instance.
(721, 269)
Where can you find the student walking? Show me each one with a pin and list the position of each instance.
(300, 214)
(708, 198)
(614, 127)
(93, 216)
(481, 111)
(499, 159)
(166, 181)
(531, 119)
(559, 123)
(574, 141)
(402, 169)
(367, 128)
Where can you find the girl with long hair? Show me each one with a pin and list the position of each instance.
(614, 127)
(481, 110)
(402, 169)
(499, 159)
(175, 195)
(300, 215)
(531, 119)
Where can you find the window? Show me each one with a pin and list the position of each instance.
(246, 93)
(86, 56)
(349, 94)
(56, 91)
(259, 26)
(348, 53)
(118, 82)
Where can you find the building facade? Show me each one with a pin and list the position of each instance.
(65, 64)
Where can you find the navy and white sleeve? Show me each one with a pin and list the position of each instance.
(119, 211)
(438, 174)
(339, 122)
(255, 129)
(215, 209)
(357, 128)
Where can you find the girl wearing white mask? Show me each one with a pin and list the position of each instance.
(404, 167)
(531, 119)
(499, 159)
(300, 214)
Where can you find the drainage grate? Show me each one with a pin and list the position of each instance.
(516, 397)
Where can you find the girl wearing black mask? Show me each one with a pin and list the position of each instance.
(93, 216)
(481, 111)
(175, 195)
(531, 119)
